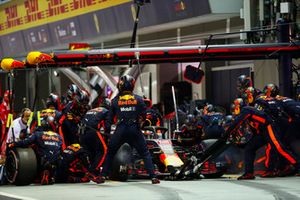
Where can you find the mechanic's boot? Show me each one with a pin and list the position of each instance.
(96, 179)
(45, 177)
(155, 181)
(99, 179)
(287, 171)
(269, 174)
(246, 176)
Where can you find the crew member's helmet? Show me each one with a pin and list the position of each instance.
(237, 105)
(81, 104)
(47, 124)
(271, 90)
(83, 98)
(249, 95)
(190, 119)
(243, 82)
(73, 90)
(53, 101)
(208, 108)
(227, 121)
(126, 83)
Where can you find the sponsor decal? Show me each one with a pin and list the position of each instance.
(127, 109)
(24, 14)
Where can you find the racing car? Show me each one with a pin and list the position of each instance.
(171, 161)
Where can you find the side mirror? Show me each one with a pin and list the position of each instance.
(193, 74)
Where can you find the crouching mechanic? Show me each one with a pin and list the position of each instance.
(265, 131)
(48, 146)
(129, 109)
(74, 165)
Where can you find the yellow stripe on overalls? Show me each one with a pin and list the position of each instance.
(39, 118)
(30, 119)
(10, 121)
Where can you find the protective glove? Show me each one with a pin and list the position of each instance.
(11, 145)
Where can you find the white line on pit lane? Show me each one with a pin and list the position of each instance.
(15, 196)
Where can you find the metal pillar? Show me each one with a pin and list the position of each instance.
(284, 60)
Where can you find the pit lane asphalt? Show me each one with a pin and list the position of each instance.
(223, 188)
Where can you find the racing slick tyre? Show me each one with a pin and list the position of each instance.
(121, 163)
(21, 166)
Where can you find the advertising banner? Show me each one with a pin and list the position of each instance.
(24, 14)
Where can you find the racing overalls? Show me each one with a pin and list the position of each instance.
(212, 125)
(152, 118)
(48, 148)
(74, 165)
(129, 110)
(272, 108)
(292, 108)
(68, 123)
(92, 139)
(265, 132)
